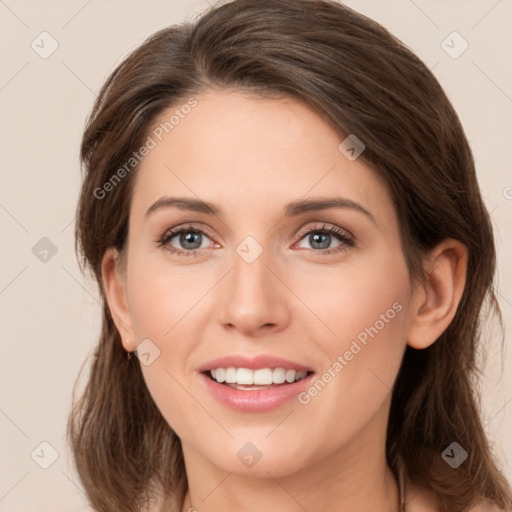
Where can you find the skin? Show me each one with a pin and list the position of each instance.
(250, 156)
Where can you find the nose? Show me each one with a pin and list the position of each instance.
(253, 298)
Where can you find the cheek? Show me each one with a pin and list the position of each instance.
(164, 298)
(166, 308)
(366, 310)
(361, 301)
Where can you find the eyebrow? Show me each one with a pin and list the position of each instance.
(291, 209)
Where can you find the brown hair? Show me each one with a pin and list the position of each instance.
(361, 80)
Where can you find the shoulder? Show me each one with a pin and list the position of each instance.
(487, 507)
(420, 498)
(160, 503)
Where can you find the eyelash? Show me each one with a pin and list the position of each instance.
(346, 239)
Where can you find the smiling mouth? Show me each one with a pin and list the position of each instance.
(252, 380)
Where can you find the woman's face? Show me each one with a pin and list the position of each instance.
(260, 288)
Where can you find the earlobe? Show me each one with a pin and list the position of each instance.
(114, 285)
(435, 301)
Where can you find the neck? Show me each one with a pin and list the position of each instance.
(355, 477)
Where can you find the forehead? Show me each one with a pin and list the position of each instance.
(252, 155)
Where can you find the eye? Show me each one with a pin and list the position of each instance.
(189, 238)
(321, 238)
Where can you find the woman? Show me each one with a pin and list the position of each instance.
(281, 210)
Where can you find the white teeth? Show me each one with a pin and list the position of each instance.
(230, 375)
(260, 377)
(278, 375)
(263, 377)
(244, 376)
(290, 375)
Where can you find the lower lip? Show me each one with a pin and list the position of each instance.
(260, 400)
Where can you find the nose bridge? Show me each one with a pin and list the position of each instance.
(252, 296)
(250, 272)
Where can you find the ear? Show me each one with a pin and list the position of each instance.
(113, 274)
(435, 301)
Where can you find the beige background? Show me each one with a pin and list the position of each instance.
(49, 311)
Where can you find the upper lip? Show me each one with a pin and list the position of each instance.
(253, 363)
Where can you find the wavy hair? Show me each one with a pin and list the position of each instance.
(360, 79)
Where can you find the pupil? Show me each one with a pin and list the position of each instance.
(190, 238)
(317, 238)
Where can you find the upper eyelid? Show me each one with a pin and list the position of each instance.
(326, 226)
(192, 226)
